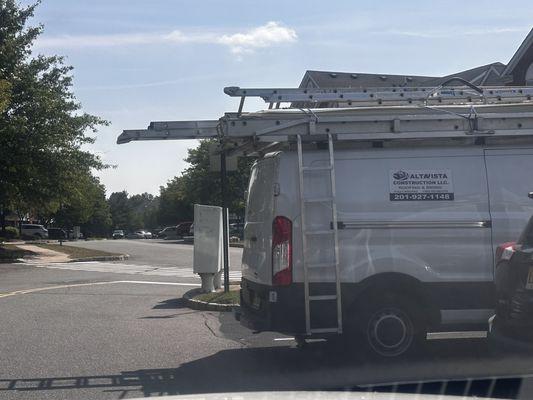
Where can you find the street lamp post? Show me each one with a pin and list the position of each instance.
(225, 234)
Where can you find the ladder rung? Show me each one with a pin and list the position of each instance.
(323, 297)
(322, 168)
(324, 330)
(320, 232)
(321, 265)
(318, 199)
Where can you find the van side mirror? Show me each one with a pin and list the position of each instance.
(530, 195)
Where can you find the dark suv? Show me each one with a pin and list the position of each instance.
(56, 233)
(514, 288)
(183, 228)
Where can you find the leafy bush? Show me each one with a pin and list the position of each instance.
(11, 232)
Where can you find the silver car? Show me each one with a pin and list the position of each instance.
(34, 231)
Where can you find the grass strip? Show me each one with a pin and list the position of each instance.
(231, 297)
(75, 252)
(10, 253)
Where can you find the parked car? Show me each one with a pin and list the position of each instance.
(34, 231)
(118, 234)
(170, 232)
(73, 235)
(183, 229)
(147, 234)
(155, 232)
(514, 289)
(236, 230)
(56, 233)
(139, 234)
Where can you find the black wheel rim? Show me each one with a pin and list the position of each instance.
(390, 332)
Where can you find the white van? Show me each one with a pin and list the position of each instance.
(399, 241)
(411, 261)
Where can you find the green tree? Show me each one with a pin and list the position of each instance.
(42, 128)
(87, 208)
(5, 94)
(199, 185)
(133, 212)
(143, 208)
(173, 207)
(121, 214)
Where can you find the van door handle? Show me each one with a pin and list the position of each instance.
(530, 195)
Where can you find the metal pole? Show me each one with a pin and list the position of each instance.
(224, 217)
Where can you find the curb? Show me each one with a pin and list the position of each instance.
(120, 257)
(239, 245)
(205, 306)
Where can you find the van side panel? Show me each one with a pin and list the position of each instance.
(442, 242)
(510, 177)
(432, 240)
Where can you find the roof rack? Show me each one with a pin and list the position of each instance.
(313, 97)
(380, 115)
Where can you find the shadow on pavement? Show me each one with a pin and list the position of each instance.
(321, 366)
(171, 304)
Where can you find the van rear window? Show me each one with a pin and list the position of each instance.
(259, 204)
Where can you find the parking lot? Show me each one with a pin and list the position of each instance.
(122, 334)
(155, 252)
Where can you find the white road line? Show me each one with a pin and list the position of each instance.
(41, 289)
(134, 269)
(161, 283)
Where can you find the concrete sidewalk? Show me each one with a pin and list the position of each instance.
(44, 255)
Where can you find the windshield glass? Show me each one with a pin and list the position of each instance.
(232, 198)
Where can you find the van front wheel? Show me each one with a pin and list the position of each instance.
(391, 327)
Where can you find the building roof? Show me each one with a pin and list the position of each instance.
(519, 54)
(494, 74)
(489, 74)
(486, 75)
(359, 80)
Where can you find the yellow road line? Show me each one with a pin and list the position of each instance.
(27, 291)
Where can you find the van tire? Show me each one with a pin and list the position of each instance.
(389, 327)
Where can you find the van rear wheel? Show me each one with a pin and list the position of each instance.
(390, 327)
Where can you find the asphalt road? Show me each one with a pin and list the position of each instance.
(91, 335)
(155, 252)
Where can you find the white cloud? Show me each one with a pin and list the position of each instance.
(264, 36)
(270, 34)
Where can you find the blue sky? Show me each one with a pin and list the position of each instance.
(139, 61)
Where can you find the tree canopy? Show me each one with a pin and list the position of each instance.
(42, 128)
(199, 185)
(133, 212)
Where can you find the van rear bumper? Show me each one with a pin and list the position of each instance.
(272, 308)
(282, 308)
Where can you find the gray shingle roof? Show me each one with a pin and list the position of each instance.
(360, 80)
(489, 74)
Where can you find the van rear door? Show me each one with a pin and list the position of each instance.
(257, 257)
(510, 182)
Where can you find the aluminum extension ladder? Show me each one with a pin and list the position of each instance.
(306, 201)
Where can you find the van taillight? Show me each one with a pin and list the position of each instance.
(281, 251)
(505, 251)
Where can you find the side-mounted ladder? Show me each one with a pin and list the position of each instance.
(325, 232)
